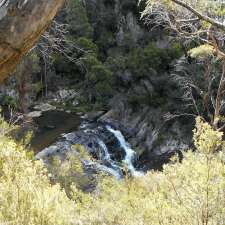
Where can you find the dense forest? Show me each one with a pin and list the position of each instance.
(112, 112)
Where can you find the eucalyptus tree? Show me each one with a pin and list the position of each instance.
(200, 26)
(22, 22)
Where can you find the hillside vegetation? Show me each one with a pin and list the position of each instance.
(103, 55)
(191, 192)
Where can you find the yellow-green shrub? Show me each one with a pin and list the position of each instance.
(26, 195)
(185, 193)
(191, 192)
(70, 171)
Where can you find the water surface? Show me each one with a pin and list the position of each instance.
(51, 125)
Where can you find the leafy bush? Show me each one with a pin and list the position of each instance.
(78, 20)
(202, 51)
(10, 101)
(99, 79)
(101, 73)
(69, 171)
(116, 63)
(106, 40)
(87, 46)
(140, 61)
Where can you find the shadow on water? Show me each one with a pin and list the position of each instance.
(51, 125)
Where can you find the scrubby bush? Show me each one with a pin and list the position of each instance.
(188, 192)
(106, 40)
(26, 195)
(116, 63)
(101, 73)
(70, 170)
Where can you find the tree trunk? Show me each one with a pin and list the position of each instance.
(21, 24)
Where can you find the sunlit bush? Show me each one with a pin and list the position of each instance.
(191, 192)
(187, 192)
(26, 195)
(70, 170)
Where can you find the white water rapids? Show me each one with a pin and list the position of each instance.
(113, 168)
(130, 153)
(106, 157)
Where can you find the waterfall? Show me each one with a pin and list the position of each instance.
(130, 153)
(106, 158)
(105, 149)
(114, 169)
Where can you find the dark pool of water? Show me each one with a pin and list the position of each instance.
(51, 125)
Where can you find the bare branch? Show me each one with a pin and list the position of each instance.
(199, 15)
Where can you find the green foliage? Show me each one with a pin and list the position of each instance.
(104, 92)
(10, 101)
(98, 69)
(87, 46)
(106, 40)
(141, 61)
(26, 139)
(100, 72)
(78, 20)
(59, 62)
(99, 80)
(67, 171)
(202, 141)
(89, 61)
(80, 35)
(175, 51)
(5, 128)
(117, 63)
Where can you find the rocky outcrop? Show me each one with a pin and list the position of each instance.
(154, 138)
(44, 107)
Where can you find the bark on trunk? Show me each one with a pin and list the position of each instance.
(21, 25)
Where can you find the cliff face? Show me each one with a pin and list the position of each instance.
(21, 25)
(117, 28)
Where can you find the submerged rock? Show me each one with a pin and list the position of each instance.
(94, 115)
